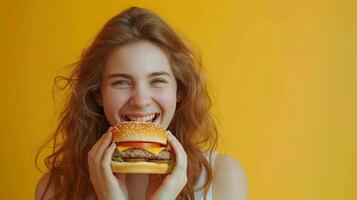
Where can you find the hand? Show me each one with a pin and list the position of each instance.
(105, 183)
(171, 186)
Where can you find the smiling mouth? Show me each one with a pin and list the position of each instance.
(147, 118)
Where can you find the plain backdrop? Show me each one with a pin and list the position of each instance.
(282, 75)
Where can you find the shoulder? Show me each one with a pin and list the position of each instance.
(41, 187)
(229, 179)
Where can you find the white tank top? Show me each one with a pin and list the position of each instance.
(199, 194)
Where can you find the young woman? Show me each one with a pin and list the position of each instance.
(137, 66)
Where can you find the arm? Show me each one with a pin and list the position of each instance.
(229, 180)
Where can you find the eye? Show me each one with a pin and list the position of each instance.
(158, 81)
(121, 83)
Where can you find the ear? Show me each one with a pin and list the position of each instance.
(178, 96)
(98, 99)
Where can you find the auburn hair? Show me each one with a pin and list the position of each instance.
(82, 120)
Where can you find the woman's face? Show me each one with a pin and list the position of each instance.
(138, 85)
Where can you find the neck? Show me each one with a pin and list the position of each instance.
(137, 184)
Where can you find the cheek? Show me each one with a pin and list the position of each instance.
(167, 99)
(167, 102)
(112, 103)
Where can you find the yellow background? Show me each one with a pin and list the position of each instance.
(282, 73)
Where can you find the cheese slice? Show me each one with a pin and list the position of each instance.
(153, 150)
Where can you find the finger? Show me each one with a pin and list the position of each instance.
(94, 160)
(180, 154)
(99, 142)
(106, 160)
(104, 141)
(175, 144)
(95, 156)
(104, 144)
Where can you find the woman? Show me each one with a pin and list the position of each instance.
(137, 66)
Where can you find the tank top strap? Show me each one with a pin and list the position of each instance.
(212, 159)
(199, 194)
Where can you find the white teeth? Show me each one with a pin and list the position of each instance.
(141, 119)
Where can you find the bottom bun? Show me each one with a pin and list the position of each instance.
(140, 167)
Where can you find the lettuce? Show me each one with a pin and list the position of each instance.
(117, 159)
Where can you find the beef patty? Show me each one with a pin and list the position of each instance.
(134, 153)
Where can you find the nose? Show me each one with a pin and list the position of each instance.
(140, 97)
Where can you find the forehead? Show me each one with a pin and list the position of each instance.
(137, 59)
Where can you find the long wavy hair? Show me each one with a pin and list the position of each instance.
(82, 121)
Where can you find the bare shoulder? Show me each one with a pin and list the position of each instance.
(41, 186)
(229, 179)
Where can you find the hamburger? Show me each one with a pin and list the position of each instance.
(141, 148)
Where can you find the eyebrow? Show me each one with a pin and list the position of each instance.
(128, 76)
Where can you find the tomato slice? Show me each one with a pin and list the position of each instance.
(138, 144)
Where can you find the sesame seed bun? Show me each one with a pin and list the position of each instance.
(139, 132)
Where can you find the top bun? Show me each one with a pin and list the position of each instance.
(139, 132)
